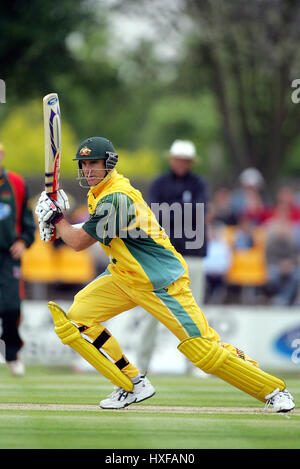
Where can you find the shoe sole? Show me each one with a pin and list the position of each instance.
(126, 405)
(284, 411)
(141, 400)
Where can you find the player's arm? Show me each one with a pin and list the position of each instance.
(113, 213)
(50, 216)
(75, 237)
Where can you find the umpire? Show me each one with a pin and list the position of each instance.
(17, 229)
(180, 186)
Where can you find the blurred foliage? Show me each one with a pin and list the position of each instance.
(218, 73)
(194, 118)
(23, 137)
(33, 47)
(292, 163)
(246, 55)
(141, 163)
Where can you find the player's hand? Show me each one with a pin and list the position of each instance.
(46, 231)
(17, 248)
(48, 211)
(61, 201)
(111, 161)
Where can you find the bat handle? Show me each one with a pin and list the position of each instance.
(54, 236)
(53, 196)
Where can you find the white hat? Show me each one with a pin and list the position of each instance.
(183, 149)
(251, 177)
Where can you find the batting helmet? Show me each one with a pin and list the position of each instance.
(95, 148)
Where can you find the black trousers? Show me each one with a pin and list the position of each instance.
(10, 306)
(10, 334)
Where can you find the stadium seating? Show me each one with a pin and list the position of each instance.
(44, 263)
(74, 267)
(248, 267)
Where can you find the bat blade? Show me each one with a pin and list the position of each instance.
(52, 128)
(52, 135)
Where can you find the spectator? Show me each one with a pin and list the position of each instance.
(249, 200)
(246, 276)
(244, 234)
(282, 255)
(221, 202)
(216, 264)
(17, 229)
(286, 205)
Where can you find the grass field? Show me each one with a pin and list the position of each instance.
(57, 409)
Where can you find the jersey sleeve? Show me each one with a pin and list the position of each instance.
(113, 214)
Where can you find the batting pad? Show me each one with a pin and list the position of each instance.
(70, 335)
(214, 359)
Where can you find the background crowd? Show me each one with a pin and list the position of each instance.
(252, 249)
(253, 243)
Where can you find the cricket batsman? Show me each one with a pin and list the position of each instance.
(145, 270)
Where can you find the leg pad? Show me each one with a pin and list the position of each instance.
(216, 360)
(70, 335)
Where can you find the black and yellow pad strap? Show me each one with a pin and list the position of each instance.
(69, 334)
(214, 359)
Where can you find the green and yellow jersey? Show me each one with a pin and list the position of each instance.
(141, 254)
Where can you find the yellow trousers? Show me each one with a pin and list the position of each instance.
(174, 306)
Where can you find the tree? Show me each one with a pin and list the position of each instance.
(252, 54)
(246, 54)
(22, 134)
(33, 46)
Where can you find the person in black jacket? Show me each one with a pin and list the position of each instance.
(17, 229)
(179, 198)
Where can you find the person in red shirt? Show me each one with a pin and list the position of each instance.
(17, 229)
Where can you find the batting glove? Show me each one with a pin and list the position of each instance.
(111, 160)
(48, 211)
(46, 231)
(61, 201)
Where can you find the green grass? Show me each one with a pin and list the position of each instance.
(45, 429)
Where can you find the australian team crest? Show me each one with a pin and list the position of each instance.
(85, 151)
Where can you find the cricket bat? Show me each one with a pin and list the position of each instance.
(52, 128)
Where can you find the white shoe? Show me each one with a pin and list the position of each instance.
(16, 367)
(280, 401)
(120, 398)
